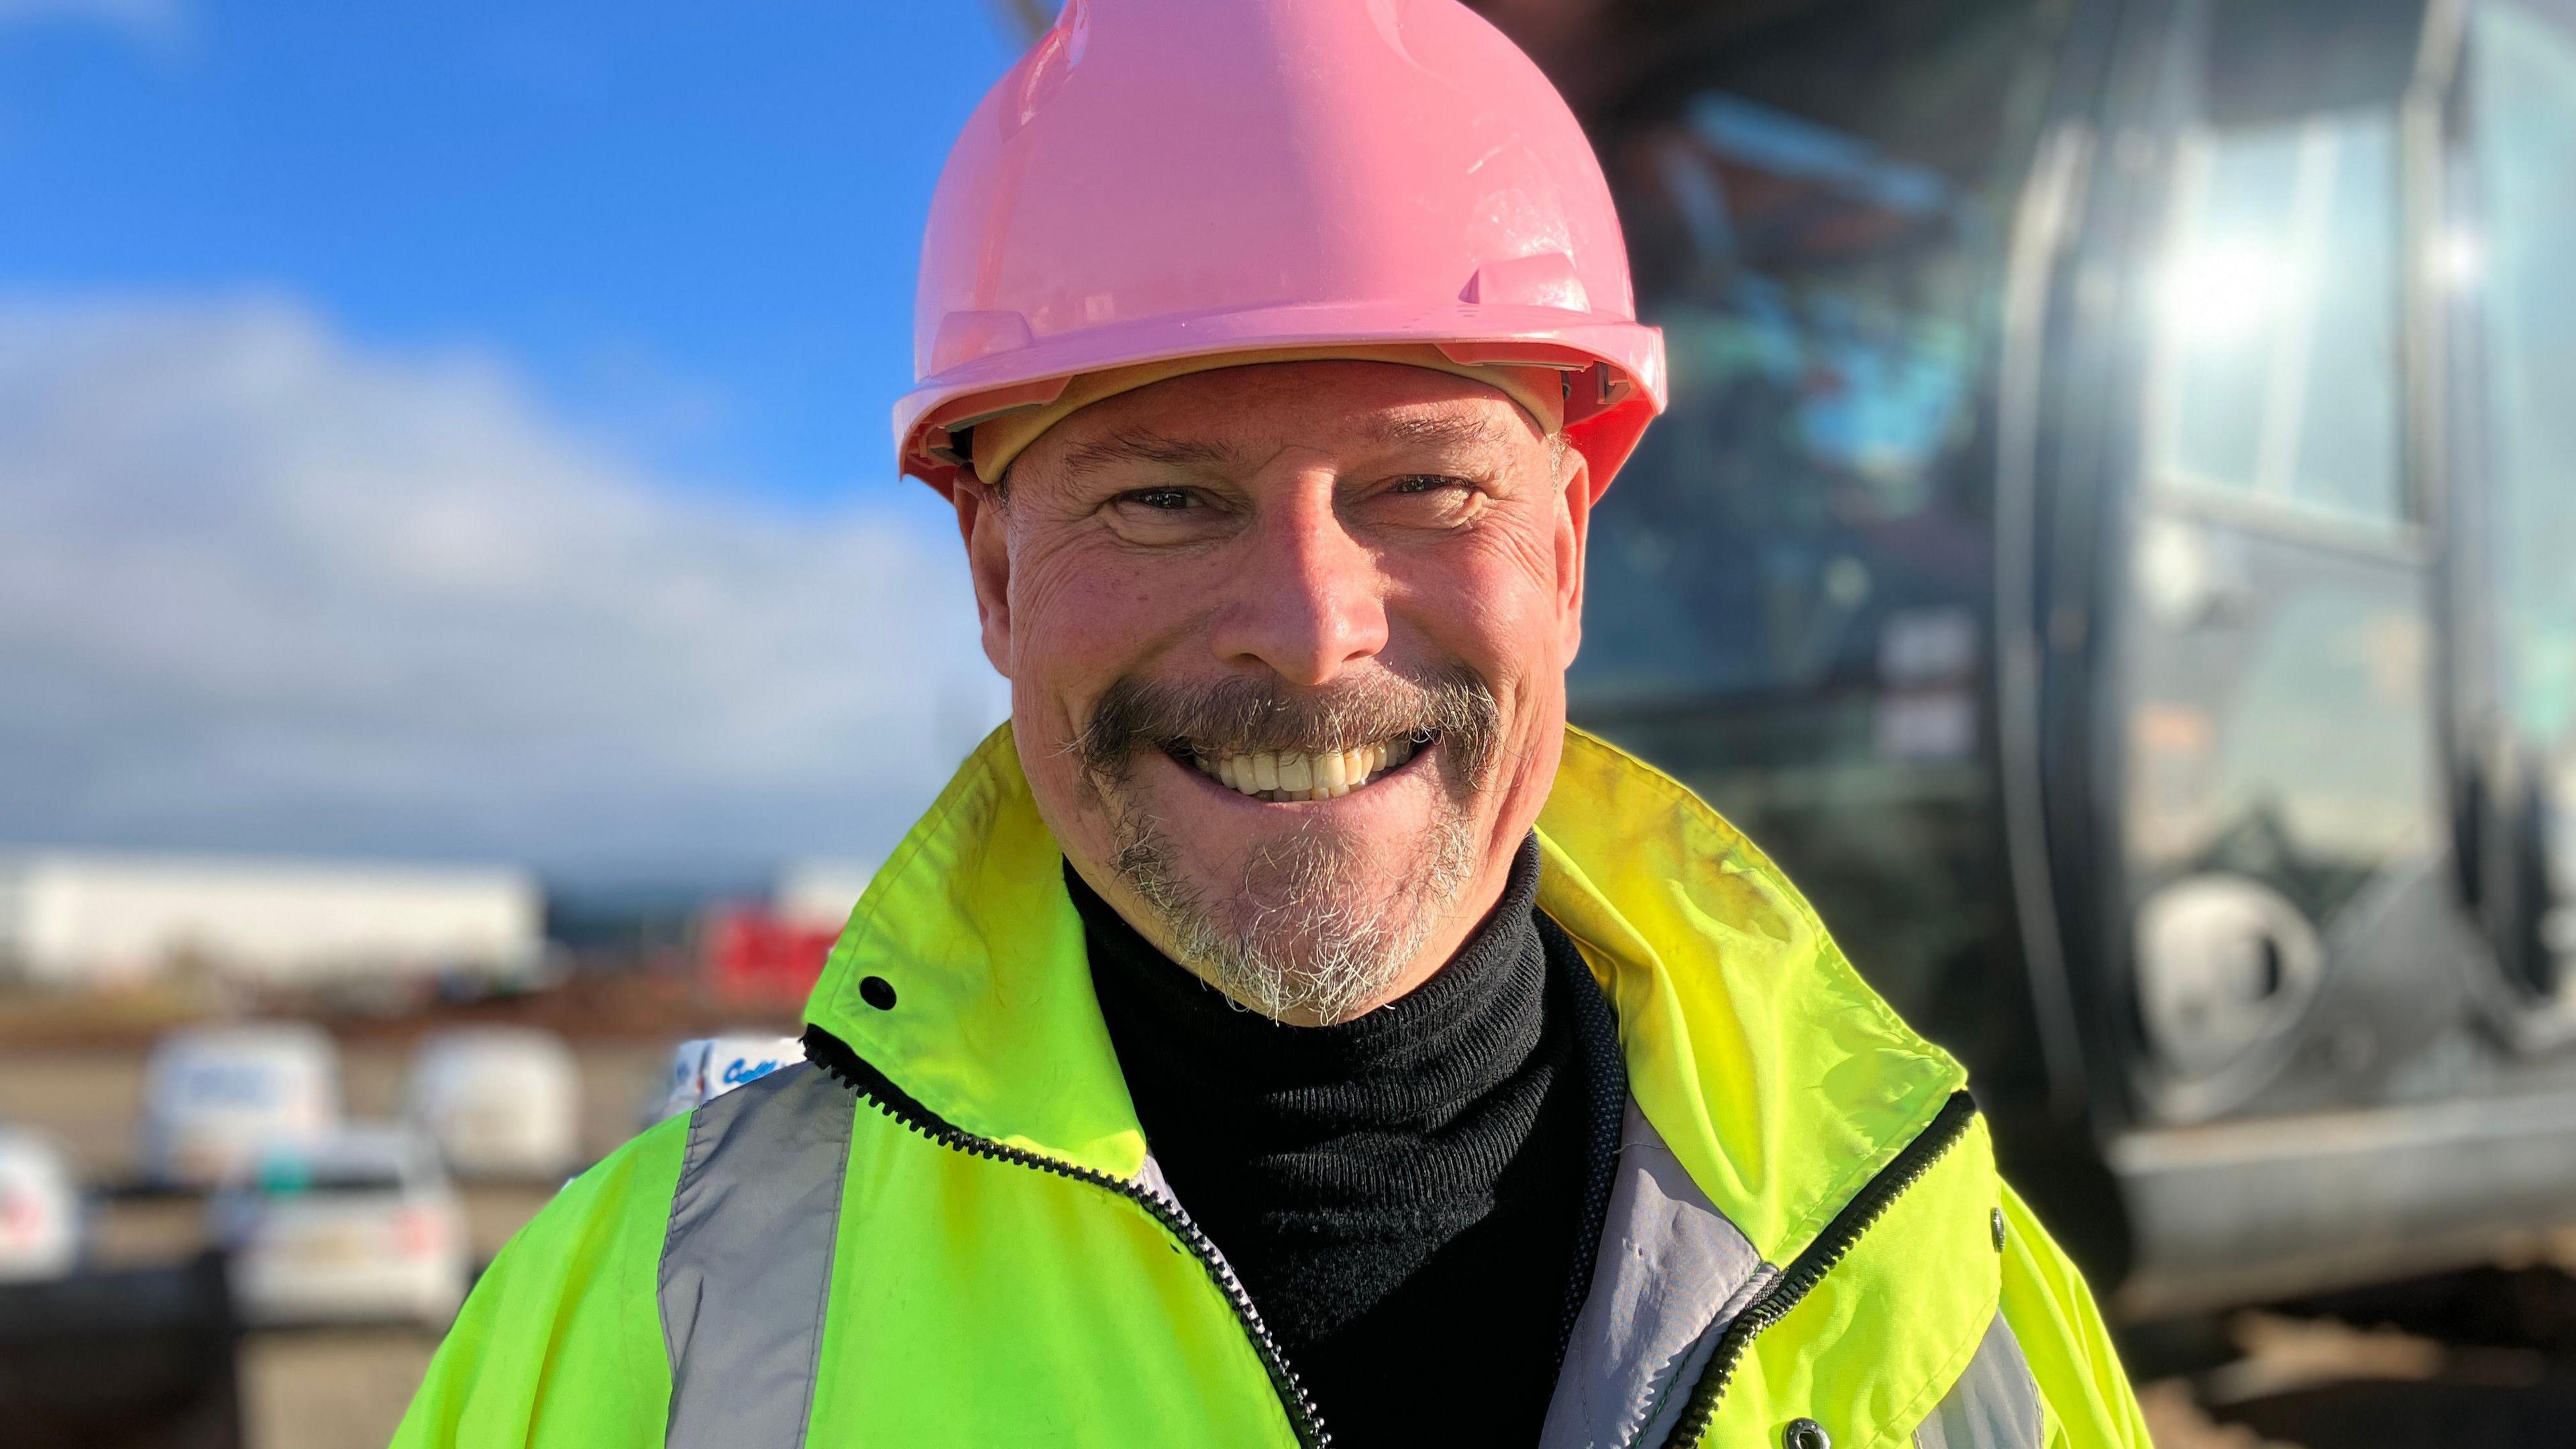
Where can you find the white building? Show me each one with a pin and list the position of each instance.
(71, 917)
(820, 892)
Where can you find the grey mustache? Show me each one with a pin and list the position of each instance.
(1241, 715)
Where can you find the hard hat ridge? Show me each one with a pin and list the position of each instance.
(1162, 179)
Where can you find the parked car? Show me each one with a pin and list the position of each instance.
(498, 1101)
(709, 1067)
(361, 1226)
(40, 1209)
(216, 1097)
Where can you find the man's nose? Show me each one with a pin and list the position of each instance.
(1306, 596)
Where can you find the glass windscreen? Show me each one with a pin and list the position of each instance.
(2275, 604)
(1817, 217)
(1788, 587)
(2275, 373)
(2514, 261)
(2524, 265)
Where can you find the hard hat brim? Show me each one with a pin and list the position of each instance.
(1604, 418)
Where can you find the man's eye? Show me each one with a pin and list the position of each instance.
(1424, 483)
(1170, 500)
(1435, 494)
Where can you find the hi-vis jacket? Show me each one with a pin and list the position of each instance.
(949, 1229)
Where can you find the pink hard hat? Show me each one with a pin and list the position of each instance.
(1161, 179)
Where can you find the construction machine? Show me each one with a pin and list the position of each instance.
(2111, 543)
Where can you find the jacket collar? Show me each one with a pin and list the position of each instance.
(1779, 1080)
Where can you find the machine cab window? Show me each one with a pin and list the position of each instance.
(2504, 261)
(1788, 590)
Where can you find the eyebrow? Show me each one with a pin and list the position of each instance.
(1140, 446)
(1436, 430)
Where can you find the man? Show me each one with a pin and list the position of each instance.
(1288, 1031)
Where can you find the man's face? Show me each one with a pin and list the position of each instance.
(1287, 649)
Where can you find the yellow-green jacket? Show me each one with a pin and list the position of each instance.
(949, 1229)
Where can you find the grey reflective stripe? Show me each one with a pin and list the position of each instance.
(1995, 1404)
(1670, 1272)
(749, 1257)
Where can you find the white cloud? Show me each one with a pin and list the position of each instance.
(261, 588)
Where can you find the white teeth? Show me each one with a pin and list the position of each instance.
(1333, 771)
(1271, 775)
(1296, 773)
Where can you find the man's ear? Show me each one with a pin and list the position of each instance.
(981, 522)
(1573, 545)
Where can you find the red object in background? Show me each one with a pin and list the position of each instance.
(754, 958)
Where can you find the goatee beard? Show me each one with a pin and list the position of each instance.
(1303, 936)
(1315, 929)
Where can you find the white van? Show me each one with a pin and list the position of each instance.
(712, 1066)
(359, 1226)
(215, 1096)
(40, 1209)
(498, 1101)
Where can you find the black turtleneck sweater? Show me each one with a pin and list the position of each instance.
(1412, 1198)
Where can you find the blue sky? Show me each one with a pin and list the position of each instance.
(694, 226)
(459, 431)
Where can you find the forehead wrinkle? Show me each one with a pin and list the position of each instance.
(1479, 429)
(1142, 445)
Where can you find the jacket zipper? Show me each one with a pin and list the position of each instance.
(834, 1056)
(1811, 1266)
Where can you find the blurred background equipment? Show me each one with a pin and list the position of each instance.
(359, 508)
(707, 1068)
(41, 1213)
(820, 893)
(768, 955)
(2109, 545)
(359, 1226)
(499, 1101)
(346, 1248)
(755, 956)
(216, 1097)
(141, 1358)
(70, 918)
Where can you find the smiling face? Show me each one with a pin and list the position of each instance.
(1287, 649)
